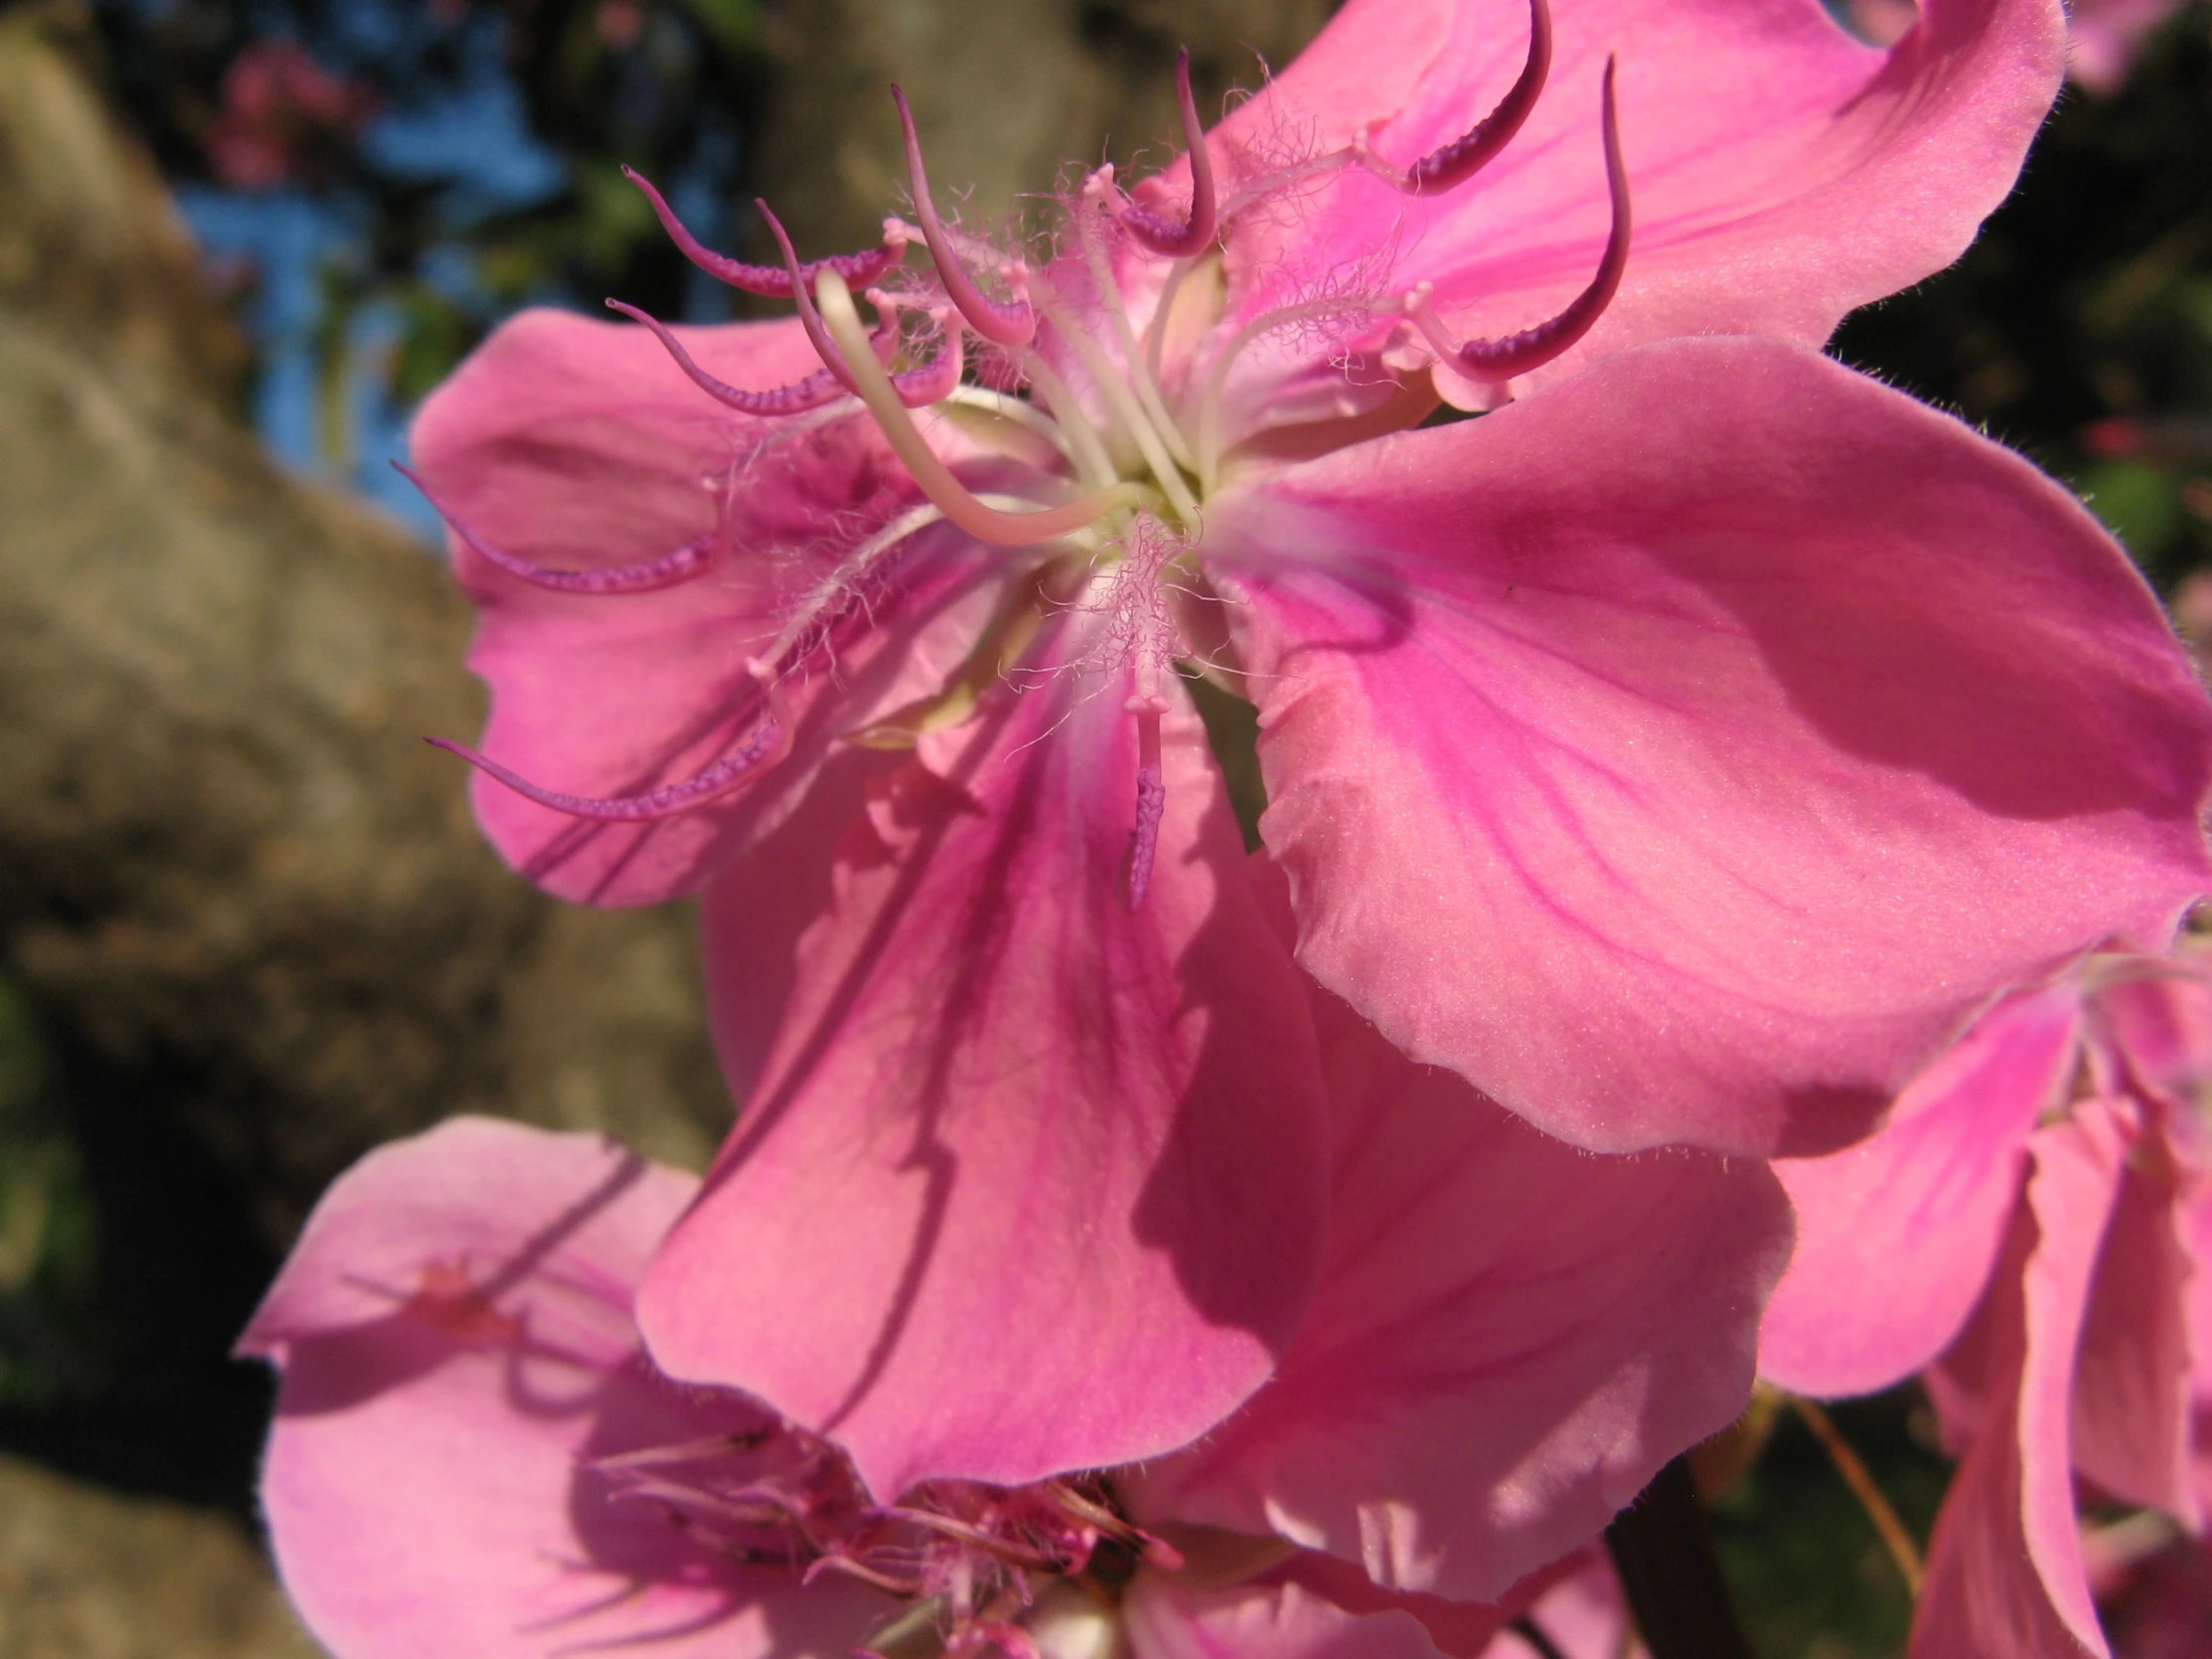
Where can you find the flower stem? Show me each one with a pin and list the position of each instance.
(1663, 1551)
(1895, 1536)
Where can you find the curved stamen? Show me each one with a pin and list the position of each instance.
(810, 319)
(769, 744)
(1163, 235)
(817, 389)
(768, 280)
(1454, 164)
(1014, 324)
(923, 464)
(936, 380)
(1496, 361)
(664, 570)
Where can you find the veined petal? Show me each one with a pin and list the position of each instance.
(453, 1337)
(1936, 1187)
(2005, 1578)
(1510, 1338)
(578, 445)
(1783, 173)
(1688, 753)
(1031, 1182)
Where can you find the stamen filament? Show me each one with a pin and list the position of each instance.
(1140, 374)
(1115, 389)
(1017, 409)
(1014, 324)
(1091, 460)
(815, 390)
(1217, 378)
(1494, 361)
(929, 472)
(768, 280)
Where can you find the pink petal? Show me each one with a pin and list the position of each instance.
(2197, 1241)
(1935, 1188)
(756, 911)
(2005, 1575)
(1031, 1182)
(1584, 1617)
(578, 445)
(1510, 1339)
(1687, 754)
(2159, 1011)
(1782, 172)
(1305, 1607)
(453, 1334)
(2131, 1396)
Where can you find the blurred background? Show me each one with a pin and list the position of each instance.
(247, 927)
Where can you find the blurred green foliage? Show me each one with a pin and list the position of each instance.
(48, 1229)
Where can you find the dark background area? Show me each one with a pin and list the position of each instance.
(247, 929)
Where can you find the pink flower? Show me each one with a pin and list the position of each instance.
(2103, 36)
(475, 1455)
(1677, 754)
(2047, 1184)
(281, 113)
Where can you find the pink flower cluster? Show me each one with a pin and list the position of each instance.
(1130, 1237)
(282, 114)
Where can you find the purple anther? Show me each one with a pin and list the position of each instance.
(758, 751)
(769, 744)
(1496, 361)
(664, 570)
(1458, 162)
(1011, 325)
(934, 381)
(809, 319)
(1144, 838)
(817, 389)
(769, 282)
(1164, 236)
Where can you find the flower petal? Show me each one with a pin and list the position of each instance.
(2005, 1575)
(1510, 1338)
(2131, 1396)
(1686, 755)
(1031, 1182)
(1935, 1188)
(454, 1336)
(578, 445)
(1306, 1607)
(1783, 173)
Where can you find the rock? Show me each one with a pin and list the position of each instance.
(227, 862)
(86, 1574)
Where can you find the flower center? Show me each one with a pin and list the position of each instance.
(967, 1564)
